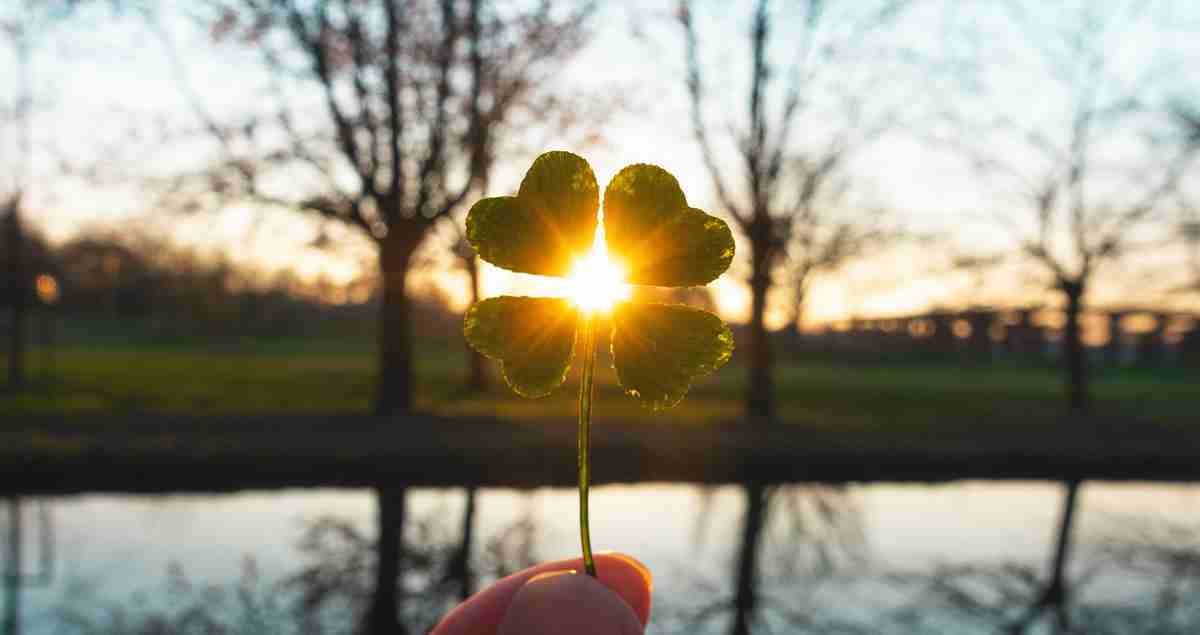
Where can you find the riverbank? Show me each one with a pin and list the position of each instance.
(161, 453)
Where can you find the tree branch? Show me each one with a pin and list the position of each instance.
(695, 87)
(392, 82)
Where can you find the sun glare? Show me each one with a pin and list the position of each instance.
(596, 283)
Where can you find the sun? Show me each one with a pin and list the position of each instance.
(597, 283)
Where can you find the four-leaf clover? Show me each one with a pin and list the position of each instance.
(653, 235)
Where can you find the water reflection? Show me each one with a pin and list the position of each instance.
(792, 539)
(333, 591)
(1011, 597)
(15, 574)
(961, 558)
(1138, 577)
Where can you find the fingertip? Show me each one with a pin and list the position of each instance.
(630, 579)
(568, 602)
(482, 614)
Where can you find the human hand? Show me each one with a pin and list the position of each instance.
(557, 597)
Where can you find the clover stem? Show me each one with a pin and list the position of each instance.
(586, 391)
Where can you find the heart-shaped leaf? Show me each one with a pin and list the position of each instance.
(533, 338)
(549, 224)
(658, 349)
(656, 237)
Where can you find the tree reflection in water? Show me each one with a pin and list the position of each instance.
(1166, 552)
(331, 594)
(1140, 576)
(813, 575)
(794, 543)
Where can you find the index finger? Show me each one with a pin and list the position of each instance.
(482, 613)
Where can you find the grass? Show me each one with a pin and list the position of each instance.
(315, 377)
(81, 422)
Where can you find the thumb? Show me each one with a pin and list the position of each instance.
(568, 602)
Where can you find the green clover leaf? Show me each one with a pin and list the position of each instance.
(550, 221)
(651, 229)
(533, 337)
(658, 350)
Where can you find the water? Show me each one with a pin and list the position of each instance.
(857, 552)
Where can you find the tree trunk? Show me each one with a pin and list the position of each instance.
(796, 325)
(18, 292)
(477, 370)
(383, 617)
(760, 390)
(394, 394)
(16, 348)
(746, 593)
(1074, 354)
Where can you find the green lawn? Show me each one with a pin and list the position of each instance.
(940, 419)
(320, 377)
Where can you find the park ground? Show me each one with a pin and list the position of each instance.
(161, 401)
(206, 376)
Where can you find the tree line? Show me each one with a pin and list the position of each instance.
(175, 291)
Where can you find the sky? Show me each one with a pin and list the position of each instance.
(100, 77)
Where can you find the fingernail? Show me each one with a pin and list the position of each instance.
(550, 574)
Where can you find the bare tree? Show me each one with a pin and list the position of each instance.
(1086, 176)
(823, 240)
(21, 25)
(790, 184)
(17, 289)
(26, 29)
(1190, 230)
(1188, 121)
(412, 97)
(477, 379)
(803, 125)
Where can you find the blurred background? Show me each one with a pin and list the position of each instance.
(966, 302)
